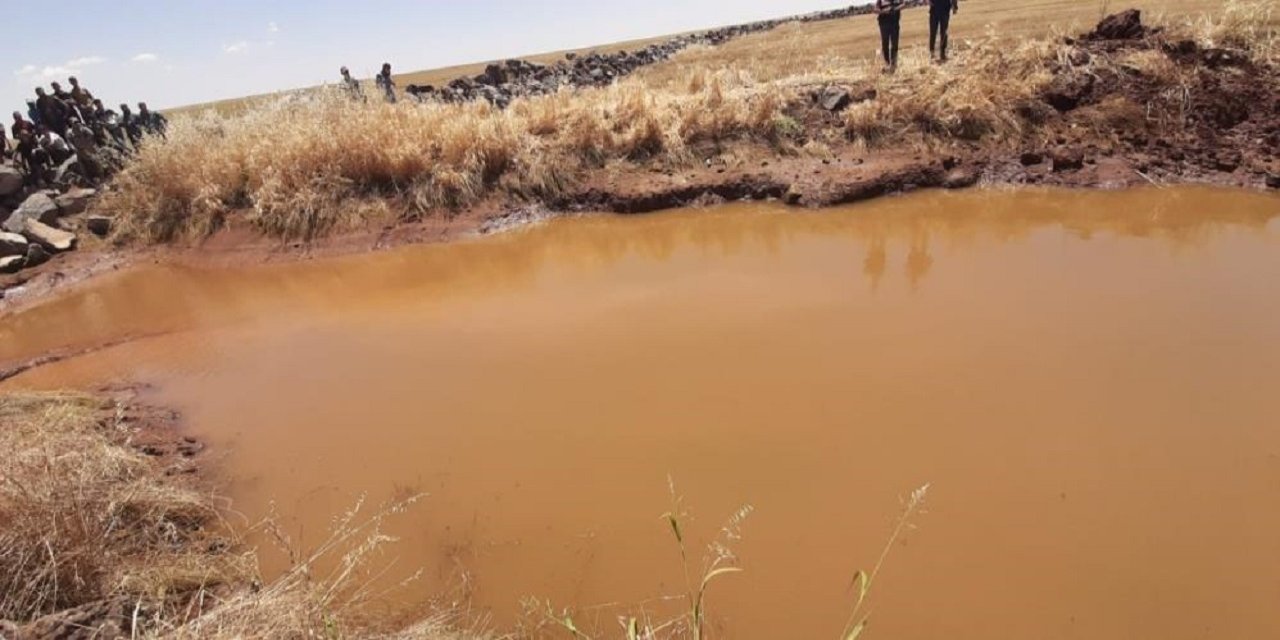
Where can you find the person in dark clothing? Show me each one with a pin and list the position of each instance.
(19, 126)
(53, 112)
(889, 15)
(386, 83)
(152, 121)
(131, 125)
(33, 157)
(33, 114)
(940, 12)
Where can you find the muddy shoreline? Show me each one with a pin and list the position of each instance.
(804, 183)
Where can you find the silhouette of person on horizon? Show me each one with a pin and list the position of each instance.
(351, 85)
(386, 83)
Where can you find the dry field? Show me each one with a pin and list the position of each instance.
(805, 48)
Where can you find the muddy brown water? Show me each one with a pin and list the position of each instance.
(1089, 381)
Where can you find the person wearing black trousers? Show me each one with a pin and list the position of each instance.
(940, 12)
(889, 15)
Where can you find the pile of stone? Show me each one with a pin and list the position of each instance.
(35, 224)
(501, 83)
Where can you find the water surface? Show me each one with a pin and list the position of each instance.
(1087, 379)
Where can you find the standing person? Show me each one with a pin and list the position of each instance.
(386, 83)
(152, 121)
(20, 126)
(33, 113)
(82, 97)
(53, 112)
(352, 86)
(889, 15)
(132, 127)
(940, 12)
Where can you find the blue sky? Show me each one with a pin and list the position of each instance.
(176, 52)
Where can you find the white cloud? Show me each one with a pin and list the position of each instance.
(273, 27)
(26, 70)
(236, 47)
(85, 61)
(146, 57)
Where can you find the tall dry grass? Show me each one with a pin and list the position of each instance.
(303, 167)
(86, 518)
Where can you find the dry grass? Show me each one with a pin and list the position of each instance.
(86, 520)
(300, 168)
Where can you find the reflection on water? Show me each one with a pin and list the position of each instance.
(1081, 375)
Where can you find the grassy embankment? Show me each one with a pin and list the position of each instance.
(305, 169)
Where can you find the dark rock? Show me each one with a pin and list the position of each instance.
(1219, 58)
(12, 244)
(10, 180)
(37, 206)
(1069, 91)
(835, 99)
(74, 201)
(12, 264)
(36, 255)
(1273, 180)
(1079, 57)
(1030, 158)
(1126, 25)
(1067, 160)
(1226, 162)
(98, 225)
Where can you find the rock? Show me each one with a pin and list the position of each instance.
(1273, 180)
(74, 201)
(1079, 57)
(1226, 162)
(12, 244)
(36, 255)
(835, 99)
(1029, 158)
(1069, 91)
(98, 225)
(12, 264)
(1067, 160)
(960, 178)
(54, 240)
(1219, 58)
(1126, 25)
(37, 206)
(10, 180)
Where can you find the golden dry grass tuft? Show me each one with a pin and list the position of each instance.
(89, 521)
(87, 518)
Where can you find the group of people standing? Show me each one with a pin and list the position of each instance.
(889, 15)
(62, 123)
(383, 81)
